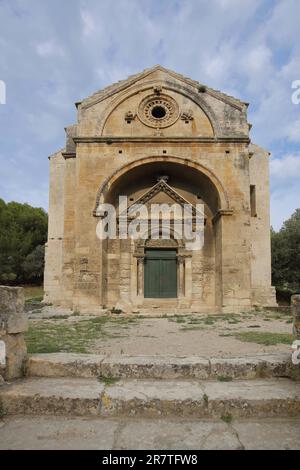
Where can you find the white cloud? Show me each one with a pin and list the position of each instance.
(258, 58)
(285, 190)
(49, 48)
(88, 22)
(293, 131)
(285, 169)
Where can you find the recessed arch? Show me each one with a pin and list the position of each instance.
(214, 186)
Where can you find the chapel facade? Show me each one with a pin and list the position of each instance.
(159, 138)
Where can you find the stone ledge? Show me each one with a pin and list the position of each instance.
(160, 367)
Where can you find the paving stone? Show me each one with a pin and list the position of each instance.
(55, 433)
(167, 434)
(272, 434)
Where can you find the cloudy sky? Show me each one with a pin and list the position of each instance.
(53, 53)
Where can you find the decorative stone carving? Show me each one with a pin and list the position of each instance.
(158, 111)
(162, 185)
(187, 115)
(129, 116)
(157, 89)
(161, 243)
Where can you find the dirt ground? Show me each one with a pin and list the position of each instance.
(160, 336)
(201, 335)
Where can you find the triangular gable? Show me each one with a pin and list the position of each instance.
(162, 186)
(131, 80)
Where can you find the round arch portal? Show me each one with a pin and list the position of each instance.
(212, 189)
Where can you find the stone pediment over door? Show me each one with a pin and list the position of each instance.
(162, 193)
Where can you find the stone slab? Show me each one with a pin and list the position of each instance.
(156, 367)
(182, 398)
(64, 365)
(251, 367)
(269, 434)
(56, 433)
(159, 367)
(12, 299)
(14, 323)
(151, 398)
(65, 433)
(176, 435)
(52, 396)
(271, 397)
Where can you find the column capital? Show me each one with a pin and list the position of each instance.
(220, 213)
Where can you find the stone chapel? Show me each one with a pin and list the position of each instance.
(160, 137)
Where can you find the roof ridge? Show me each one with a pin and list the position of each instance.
(120, 83)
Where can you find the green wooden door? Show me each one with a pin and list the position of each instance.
(160, 279)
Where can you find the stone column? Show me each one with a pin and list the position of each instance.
(295, 306)
(181, 290)
(13, 324)
(140, 276)
(125, 276)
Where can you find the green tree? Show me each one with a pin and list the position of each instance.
(33, 265)
(286, 255)
(22, 229)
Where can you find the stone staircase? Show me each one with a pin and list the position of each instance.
(155, 386)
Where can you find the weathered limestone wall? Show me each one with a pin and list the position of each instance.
(54, 246)
(95, 118)
(13, 324)
(262, 292)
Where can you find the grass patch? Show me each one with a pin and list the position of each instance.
(178, 319)
(230, 318)
(192, 328)
(76, 313)
(205, 398)
(33, 292)
(227, 418)
(224, 378)
(2, 411)
(265, 338)
(49, 337)
(33, 298)
(108, 380)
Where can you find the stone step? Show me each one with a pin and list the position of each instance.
(152, 398)
(52, 396)
(272, 397)
(160, 367)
